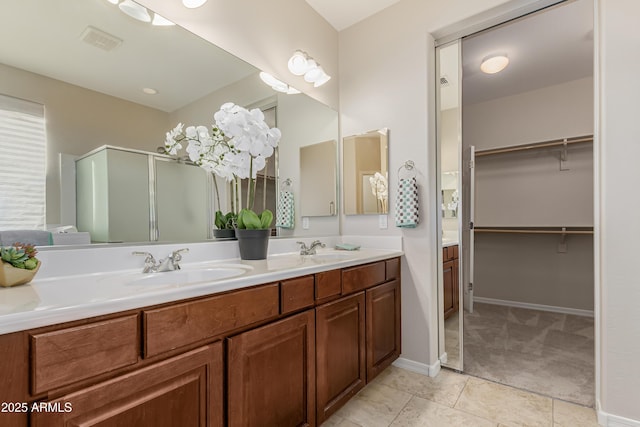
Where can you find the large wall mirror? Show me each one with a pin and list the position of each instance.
(106, 79)
(366, 173)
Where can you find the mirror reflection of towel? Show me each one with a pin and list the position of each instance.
(31, 237)
(286, 210)
(407, 203)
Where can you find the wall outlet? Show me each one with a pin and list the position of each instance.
(305, 222)
(382, 221)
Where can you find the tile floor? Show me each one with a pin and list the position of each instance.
(398, 397)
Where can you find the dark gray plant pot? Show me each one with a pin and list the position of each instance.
(253, 243)
(224, 234)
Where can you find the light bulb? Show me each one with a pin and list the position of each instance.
(298, 63)
(494, 64)
(192, 4)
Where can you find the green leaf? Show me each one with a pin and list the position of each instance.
(220, 220)
(250, 219)
(265, 218)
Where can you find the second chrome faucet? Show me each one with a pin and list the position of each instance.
(311, 250)
(170, 263)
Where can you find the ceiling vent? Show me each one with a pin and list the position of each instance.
(100, 39)
(444, 82)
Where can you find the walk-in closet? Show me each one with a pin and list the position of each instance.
(524, 225)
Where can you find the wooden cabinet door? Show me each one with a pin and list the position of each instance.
(185, 390)
(449, 290)
(340, 353)
(383, 327)
(271, 374)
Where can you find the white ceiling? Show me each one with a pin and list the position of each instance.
(344, 13)
(544, 49)
(45, 39)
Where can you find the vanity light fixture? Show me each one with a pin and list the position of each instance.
(141, 13)
(494, 64)
(135, 11)
(192, 4)
(278, 85)
(301, 63)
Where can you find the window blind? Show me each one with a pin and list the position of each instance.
(22, 164)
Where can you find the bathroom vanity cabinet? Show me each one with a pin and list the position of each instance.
(288, 353)
(450, 280)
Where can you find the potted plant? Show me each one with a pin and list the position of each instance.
(19, 264)
(236, 148)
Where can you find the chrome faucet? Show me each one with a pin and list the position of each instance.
(169, 263)
(150, 265)
(311, 250)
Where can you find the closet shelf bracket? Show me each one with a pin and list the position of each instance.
(562, 246)
(564, 156)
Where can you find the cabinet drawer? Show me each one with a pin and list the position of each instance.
(68, 355)
(178, 325)
(328, 284)
(449, 253)
(362, 277)
(392, 268)
(296, 294)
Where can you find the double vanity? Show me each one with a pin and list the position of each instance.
(280, 342)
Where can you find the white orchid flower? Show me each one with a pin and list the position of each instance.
(237, 145)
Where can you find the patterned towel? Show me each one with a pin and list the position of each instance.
(286, 210)
(407, 203)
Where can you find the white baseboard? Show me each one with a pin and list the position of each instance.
(609, 420)
(420, 368)
(541, 307)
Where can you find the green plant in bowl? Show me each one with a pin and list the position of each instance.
(20, 255)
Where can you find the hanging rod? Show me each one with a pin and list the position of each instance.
(544, 144)
(535, 230)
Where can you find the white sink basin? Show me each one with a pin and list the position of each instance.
(187, 277)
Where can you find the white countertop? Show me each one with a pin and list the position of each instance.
(50, 300)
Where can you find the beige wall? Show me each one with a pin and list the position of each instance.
(558, 111)
(79, 120)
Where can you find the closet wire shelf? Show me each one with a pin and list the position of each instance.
(535, 230)
(535, 145)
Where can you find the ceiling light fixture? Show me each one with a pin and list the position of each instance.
(192, 4)
(149, 91)
(278, 85)
(301, 63)
(135, 11)
(494, 64)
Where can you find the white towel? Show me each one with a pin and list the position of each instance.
(407, 203)
(286, 210)
(31, 237)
